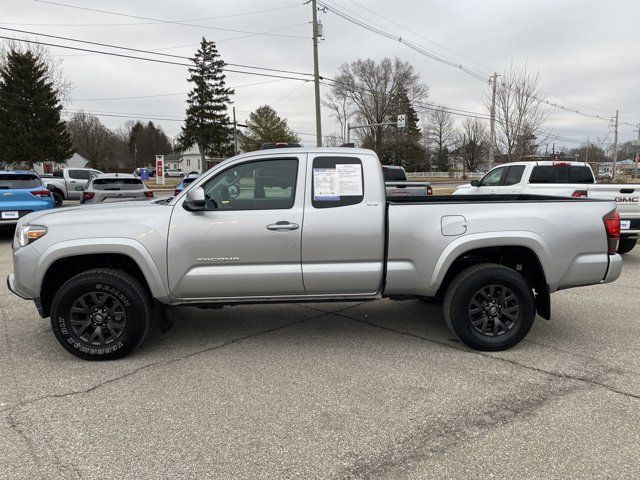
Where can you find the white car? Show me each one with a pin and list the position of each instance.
(173, 172)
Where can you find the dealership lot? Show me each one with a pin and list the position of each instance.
(376, 390)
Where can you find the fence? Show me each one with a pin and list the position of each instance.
(453, 175)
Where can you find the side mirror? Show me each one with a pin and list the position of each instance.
(79, 188)
(475, 183)
(194, 201)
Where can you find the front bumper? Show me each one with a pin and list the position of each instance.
(12, 288)
(614, 270)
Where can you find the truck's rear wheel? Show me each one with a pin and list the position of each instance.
(489, 307)
(100, 314)
(626, 245)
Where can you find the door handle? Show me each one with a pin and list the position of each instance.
(283, 226)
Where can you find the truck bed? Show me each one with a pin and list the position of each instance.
(568, 230)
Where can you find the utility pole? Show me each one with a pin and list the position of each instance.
(235, 139)
(316, 74)
(492, 139)
(614, 154)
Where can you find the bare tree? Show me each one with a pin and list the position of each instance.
(364, 92)
(475, 140)
(520, 116)
(92, 139)
(440, 133)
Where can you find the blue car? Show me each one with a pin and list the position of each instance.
(186, 181)
(22, 192)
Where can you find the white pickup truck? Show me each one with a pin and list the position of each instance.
(68, 183)
(307, 225)
(562, 179)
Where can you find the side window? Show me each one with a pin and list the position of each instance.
(514, 175)
(337, 182)
(79, 174)
(259, 185)
(492, 178)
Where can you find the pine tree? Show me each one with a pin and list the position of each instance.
(31, 130)
(264, 126)
(207, 124)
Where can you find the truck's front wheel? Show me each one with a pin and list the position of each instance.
(489, 307)
(100, 314)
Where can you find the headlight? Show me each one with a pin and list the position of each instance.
(30, 233)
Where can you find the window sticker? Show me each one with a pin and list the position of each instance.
(349, 179)
(326, 184)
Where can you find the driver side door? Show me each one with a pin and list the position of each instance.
(247, 242)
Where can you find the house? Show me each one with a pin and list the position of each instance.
(74, 161)
(190, 161)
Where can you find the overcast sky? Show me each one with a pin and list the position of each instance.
(586, 52)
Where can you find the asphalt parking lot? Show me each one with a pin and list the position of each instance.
(376, 390)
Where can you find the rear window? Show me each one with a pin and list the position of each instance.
(117, 184)
(8, 181)
(561, 174)
(394, 175)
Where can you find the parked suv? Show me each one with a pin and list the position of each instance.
(113, 187)
(22, 192)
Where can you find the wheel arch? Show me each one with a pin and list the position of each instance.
(524, 254)
(67, 261)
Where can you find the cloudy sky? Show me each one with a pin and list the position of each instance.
(586, 52)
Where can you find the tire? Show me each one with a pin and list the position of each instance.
(92, 334)
(626, 245)
(58, 199)
(489, 307)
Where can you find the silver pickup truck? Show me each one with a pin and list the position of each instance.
(299, 224)
(68, 183)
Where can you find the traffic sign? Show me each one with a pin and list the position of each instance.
(402, 121)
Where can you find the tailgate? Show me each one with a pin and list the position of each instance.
(626, 196)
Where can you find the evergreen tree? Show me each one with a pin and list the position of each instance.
(30, 126)
(207, 124)
(264, 126)
(403, 146)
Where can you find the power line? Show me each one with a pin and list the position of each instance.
(173, 22)
(166, 94)
(398, 38)
(441, 59)
(152, 23)
(155, 60)
(384, 17)
(138, 50)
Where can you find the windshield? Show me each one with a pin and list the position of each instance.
(117, 184)
(26, 181)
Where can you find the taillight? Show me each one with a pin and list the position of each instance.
(41, 193)
(612, 226)
(176, 192)
(148, 193)
(429, 190)
(87, 196)
(579, 194)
